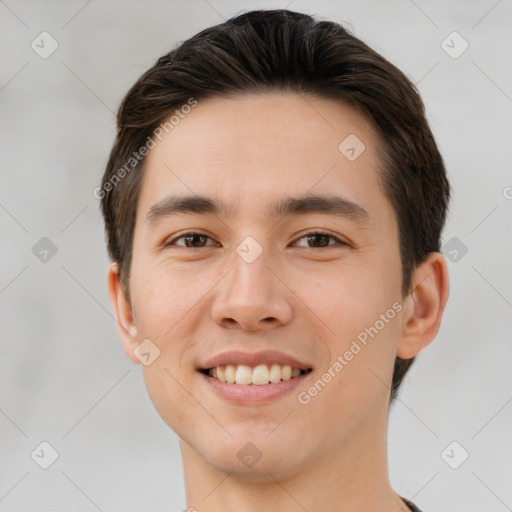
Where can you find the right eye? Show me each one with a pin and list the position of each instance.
(192, 238)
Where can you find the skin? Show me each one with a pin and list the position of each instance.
(308, 301)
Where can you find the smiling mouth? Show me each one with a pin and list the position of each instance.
(258, 375)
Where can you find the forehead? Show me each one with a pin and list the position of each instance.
(247, 149)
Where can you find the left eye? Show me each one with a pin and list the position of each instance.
(197, 240)
(319, 237)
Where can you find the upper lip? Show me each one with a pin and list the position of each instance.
(253, 359)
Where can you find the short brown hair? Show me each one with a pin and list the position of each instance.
(268, 50)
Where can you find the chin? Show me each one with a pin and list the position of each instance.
(251, 455)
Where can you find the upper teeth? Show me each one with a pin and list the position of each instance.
(259, 375)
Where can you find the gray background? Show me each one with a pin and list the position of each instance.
(64, 376)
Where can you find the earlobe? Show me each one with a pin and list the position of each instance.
(424, 305)
(123, 311)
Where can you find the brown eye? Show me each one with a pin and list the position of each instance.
(191, 240)
(314, 240)
(319, 239)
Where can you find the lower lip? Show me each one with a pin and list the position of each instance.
(251, 393)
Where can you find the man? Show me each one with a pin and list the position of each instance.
(273, 204)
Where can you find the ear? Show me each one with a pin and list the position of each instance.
(123, 310)
(424, 306)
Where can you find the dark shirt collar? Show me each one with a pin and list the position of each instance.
(411, 505)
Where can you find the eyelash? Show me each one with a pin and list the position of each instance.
(314, 232)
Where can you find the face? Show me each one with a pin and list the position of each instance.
(314, 284)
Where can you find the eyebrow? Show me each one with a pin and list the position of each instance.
(311, 204)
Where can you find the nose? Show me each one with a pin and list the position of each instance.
(252, 297)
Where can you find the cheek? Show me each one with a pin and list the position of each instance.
(169, 397)
(162, 297)
(163, 305)
(349, 297)
(367, 324)
(361, 305)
